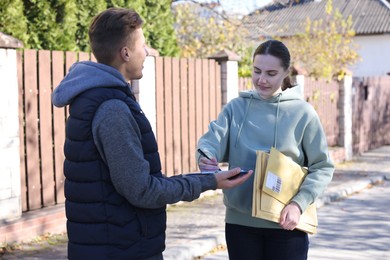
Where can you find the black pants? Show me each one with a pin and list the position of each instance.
(265, 244)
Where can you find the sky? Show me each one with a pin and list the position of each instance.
(242, 6)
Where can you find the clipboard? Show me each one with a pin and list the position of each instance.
(277, 179)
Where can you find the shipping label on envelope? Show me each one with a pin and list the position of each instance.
(283, 177)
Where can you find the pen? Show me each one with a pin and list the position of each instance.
(205, 155)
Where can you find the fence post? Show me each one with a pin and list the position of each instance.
(229, 74)
(345, 121)
(300, 87)
(147, 91)
(10, 190)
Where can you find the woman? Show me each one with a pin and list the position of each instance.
(273, 115)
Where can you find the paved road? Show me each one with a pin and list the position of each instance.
(194, 228)
(356, 228)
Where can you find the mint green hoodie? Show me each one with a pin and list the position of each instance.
(284, 121)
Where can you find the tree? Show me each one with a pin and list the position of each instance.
(13, 21)
(158, 27)
(63, 24)
(44, 32)
(202, 33)
(158, 23)
(66, 19)
(245, 64)
(326, 48)
(86, 10)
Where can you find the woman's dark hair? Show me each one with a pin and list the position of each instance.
(111, 30)
(279, 50)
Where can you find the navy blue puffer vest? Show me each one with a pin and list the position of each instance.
(101, 223)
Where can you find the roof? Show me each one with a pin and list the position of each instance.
(368, 16)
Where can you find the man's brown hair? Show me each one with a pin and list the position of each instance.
(111, 30)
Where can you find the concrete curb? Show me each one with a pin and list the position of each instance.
(344, 192)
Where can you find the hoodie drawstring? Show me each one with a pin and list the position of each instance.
(276, 121)
(243, 121)
(246, 113)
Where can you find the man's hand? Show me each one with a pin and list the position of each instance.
(223, 181)
(289, 217)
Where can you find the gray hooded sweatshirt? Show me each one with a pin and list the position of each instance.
(249, 123)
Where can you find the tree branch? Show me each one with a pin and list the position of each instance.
(212, 8)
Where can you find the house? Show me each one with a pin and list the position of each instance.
(371, 22)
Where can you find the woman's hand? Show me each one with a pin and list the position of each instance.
(223, 181)
(208, 165)
(290, 215)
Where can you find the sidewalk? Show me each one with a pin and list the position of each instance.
(197, 228)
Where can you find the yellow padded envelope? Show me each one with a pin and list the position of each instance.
(277, 180)
(283, 177)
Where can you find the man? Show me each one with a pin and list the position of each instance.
(115, 192)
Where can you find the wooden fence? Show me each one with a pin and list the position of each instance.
(371, 113)
(188, 97)
(245, 84)
(324, 97)
(42, 128)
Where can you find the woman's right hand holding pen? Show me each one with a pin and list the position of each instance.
(207, 164)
